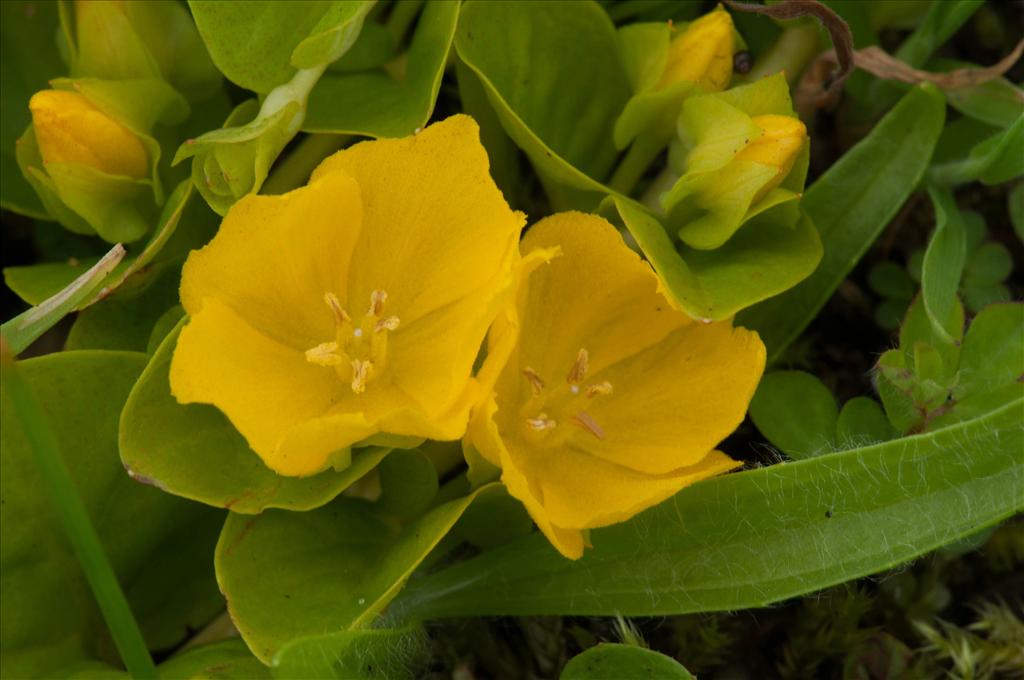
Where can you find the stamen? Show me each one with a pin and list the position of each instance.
(357, 332)
(377, 300)
(599, 389)
(536, 382)
(541, 423)
(334, 303)
(388, 324)
(325, 354)
(360, 374)
(578, 372)
(584, 420)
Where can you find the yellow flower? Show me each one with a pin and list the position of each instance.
(781, 139)
(70, 130)
(601, 399)
(355, 305)
(702, 53)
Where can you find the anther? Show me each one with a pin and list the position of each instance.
(388, 324)
(584, 420)
(377, 300)
(598, 389)
(541, 423)
(360, 373)
(536, 382)
(334, 303)
(324, 354)
(578, 372)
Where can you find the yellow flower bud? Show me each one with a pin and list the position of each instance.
(781, 140)
(702, 53)
(69, 129)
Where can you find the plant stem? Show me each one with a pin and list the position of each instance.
(644, 149)
(80, 531)
(796, 47)
(293, 170)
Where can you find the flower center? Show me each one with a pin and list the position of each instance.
(566, 401)
(359, 350)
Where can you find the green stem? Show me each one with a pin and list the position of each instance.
(792, 52)
(644, 149)
(80, 531)
(294, 170)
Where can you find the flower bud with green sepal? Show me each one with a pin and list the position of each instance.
(91, 157)
(235, 160)
(744, 155)
(667, 63)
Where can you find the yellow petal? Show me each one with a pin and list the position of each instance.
(69, 129)
(599, 296)
(440, 239)
(265, 388)
(675, 401)
(275, 257)
(437, 228)
(568, 491)
(780, 142)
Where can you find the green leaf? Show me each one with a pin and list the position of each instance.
(862, 423)
(977, 296)
(378, 103)
(609, 661)
(850, 205)
(795, 412)
(408, 484)
(993, 351)
(354, 654)
(290, 575)
(918, 329)
(82, 394)
(553, 74)
(761, 260)
(891, 280)
(894, 382)
(943, 262)
(192, 450)
(997, 159)
(252, 42)
(19, 332)
(225, 660)
(990, 263)
(28, 60)
(757, 537)
(997, 102)
(333, 35)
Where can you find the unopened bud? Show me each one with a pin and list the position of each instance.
(70, 130)
(781, 140)
(702, 53)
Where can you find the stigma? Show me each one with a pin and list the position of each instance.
(359, 349)
(568, 399)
